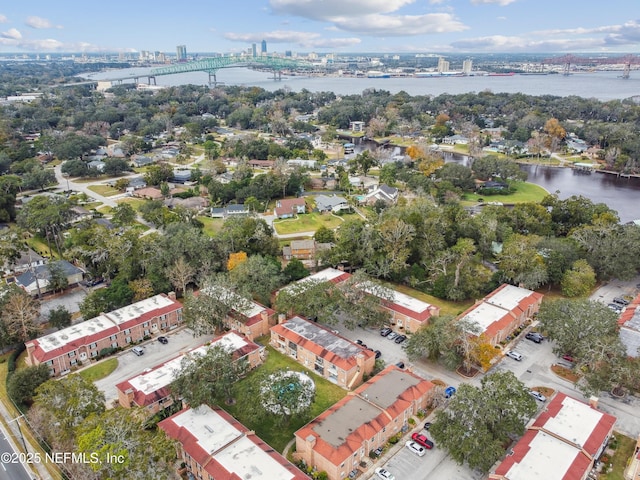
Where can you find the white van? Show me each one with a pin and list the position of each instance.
(138, 351)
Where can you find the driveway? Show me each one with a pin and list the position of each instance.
(155, 353)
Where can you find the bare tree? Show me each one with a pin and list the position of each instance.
(19, 315)
(180, 274)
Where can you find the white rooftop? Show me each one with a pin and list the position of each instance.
(508, 297)
(326, 275)
(153, 380)
(252, 308)
(485, 315)
(103, 322)
(406, 301)
(548, 458)
(230, 447)
(575, 421)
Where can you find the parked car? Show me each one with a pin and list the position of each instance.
(415, 448)
(378, 451)
(427, 425)
(615, 307)
(421, 439)
(384, 474)
(392, 335)
(400, 338)
(164, 340)
(515, 355)
(378, 354)
(359, 342)
(538, 396)
(621, 301)
(138, 351)
(534, 336)
(449, 392)
(400, 364)
(568, 358)
(385, 331)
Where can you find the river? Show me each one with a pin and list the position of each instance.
(600, 85)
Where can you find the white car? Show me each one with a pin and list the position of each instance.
(415, 448)
(515, 355)
(538, 396)
(384, 474)
(392, 335)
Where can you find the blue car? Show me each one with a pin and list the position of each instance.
(449, 392)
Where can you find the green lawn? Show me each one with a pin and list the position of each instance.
(100, 370)
(277, 436)
(104, 190)
(622, 454)
(446, 307)
(211, 225)
(134, 202)
(525, 192)
(309, 222)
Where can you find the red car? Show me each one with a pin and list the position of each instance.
(422, 440)
(569, 358)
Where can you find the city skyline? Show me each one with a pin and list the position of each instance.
(385, 26)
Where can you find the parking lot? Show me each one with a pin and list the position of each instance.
(155, 353)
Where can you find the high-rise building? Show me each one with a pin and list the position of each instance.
(181, 53)
(263, 50)
(254, 50)
(443, 65)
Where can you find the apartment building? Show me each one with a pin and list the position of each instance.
(74, 345)
(214, 446)
(341, 437)
(319, 349)
(150, 390)
(503, 311)
(563, 442)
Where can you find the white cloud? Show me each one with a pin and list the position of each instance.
(304, 39)
(40, 23)
(436, 2)
(11, 33)
(500, 43)
(3, 19)
(502, 3)
(325, 10)
(401, 25)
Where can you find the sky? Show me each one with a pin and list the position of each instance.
(323, 26)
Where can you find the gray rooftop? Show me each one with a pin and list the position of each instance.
(320, 336)
(630, 334)
(386, 391)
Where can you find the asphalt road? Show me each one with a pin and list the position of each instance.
(10, 466)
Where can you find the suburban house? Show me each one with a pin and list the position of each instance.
(333, 203)
(267, 164)
(97, 165)
(629, 323)
(299, 162)
(319, 349)
(385, 193)
(141, 160)
(503, 311)
(252, 319)
(455, 140)
(35, 281)
(340, 438)
(562, 443)
(150, 390)
(150, 193)
(181, 175)
(215, 446)
(71, 346)
(136, 183)
(406, 313)
(231, 210)
(290, 207)
(28, 260)
(303, 249)
(80, 214)
(195, 203)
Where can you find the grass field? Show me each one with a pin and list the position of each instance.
(446, 307)
(278, 436)
(623, 453)
(134, 202)
(99, 370)
(211, 225)
(525, 192)
(309, 222)
(104, 190)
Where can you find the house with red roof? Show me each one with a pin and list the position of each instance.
(341, 437)
(319, 349)
(290, 207)
(502, 311)
(629, 323)
(562, 443)
(150, 390)
(215, 446)
(72, 346)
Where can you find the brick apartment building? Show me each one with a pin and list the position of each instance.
(150, 390)
(341, 437)
(335, 358)
(503, 311)
(562, 443)
(74, 345)
(215, 446)
(252, 320)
